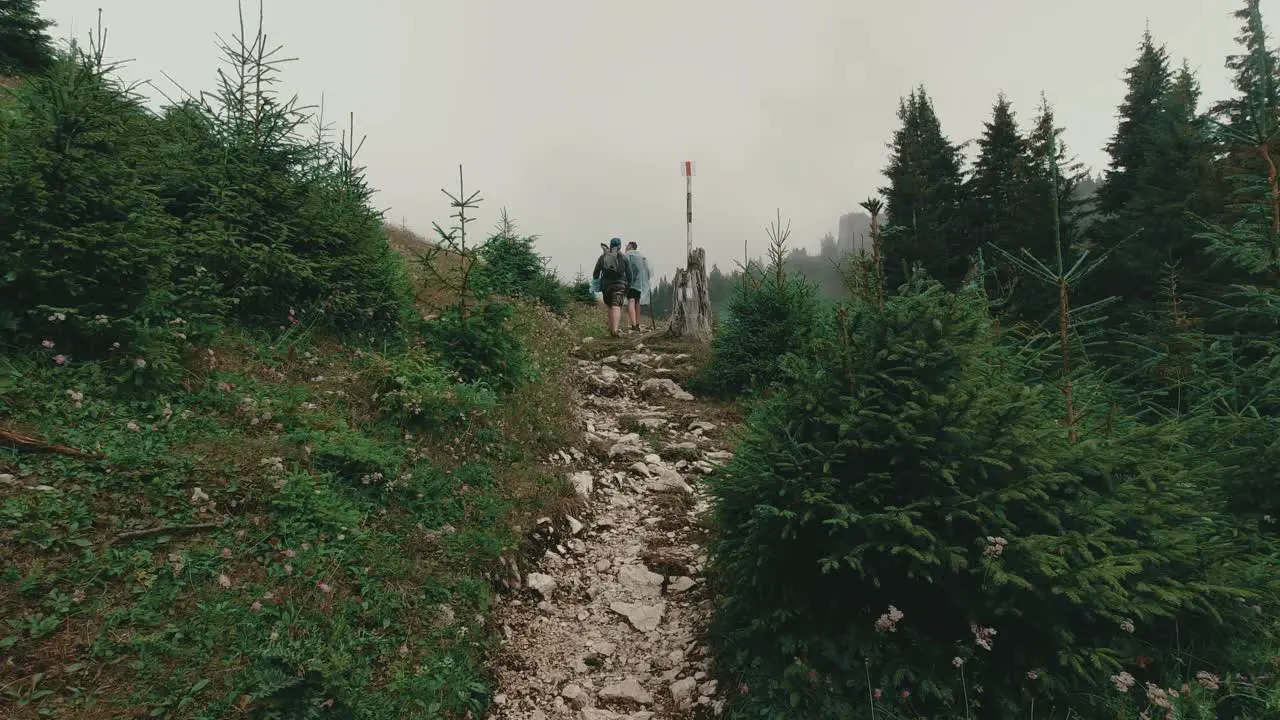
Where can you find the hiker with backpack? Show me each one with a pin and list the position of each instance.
(614, 273)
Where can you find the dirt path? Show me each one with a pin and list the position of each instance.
(608, 622)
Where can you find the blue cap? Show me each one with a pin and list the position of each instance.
(615, 242)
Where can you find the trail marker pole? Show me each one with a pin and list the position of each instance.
(689, 168)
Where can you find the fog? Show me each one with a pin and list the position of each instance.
(576, 114)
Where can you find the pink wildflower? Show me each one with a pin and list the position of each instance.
(224, 581)
(957, 661)
(291, 553)
(1123, 681)
(47, 344)
(995, 546)
(133, 426)
(1207, 680)
(288, 569)
(140, 363)
(226, 553)
(59, 359)
(1127, 625)
(982, 637)
(906, 694)
(1158, 697)
(324, 588)
(877, 694)
(1033, 675)
(256, 606)
(889, 621)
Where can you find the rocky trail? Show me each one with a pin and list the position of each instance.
(607, 623)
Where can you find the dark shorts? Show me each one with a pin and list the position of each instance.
(633, 294)
(615, 295)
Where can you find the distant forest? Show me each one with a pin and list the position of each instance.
(853, 235)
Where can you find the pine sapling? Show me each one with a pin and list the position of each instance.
(1062, 277)
(454, 242)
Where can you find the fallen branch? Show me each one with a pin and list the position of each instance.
(135, 534)
(30, 444)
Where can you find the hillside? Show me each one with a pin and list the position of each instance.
(264, 455)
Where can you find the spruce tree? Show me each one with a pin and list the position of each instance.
(904, 470)
(998, 180)
(1148, 80)
(994, 208)
(1255, 75)
(25, 47)
(1161, 167)
(923, 198)
(1032, 301)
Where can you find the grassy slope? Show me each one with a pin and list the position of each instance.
(324, 585)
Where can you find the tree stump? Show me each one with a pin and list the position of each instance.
(691, 307)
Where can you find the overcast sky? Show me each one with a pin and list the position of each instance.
(576, 114)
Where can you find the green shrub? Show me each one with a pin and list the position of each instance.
(479, 345)
(509, 266)
(772, 313)
(84, 235)
(907, 508)
(420, 391)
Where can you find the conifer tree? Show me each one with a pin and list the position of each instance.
(1255, 75)
(999, 177)
(923, 198)
(1148, 80)
(1031, 301)
(1161, 166)
(994, 210)
(25, 47)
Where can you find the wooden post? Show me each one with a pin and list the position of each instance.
(691, 309)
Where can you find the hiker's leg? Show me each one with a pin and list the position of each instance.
(615, 318)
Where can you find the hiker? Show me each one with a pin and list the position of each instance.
(614, 274)
(638, 289)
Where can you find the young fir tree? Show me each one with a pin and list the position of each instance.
(1035, 302)
(924, 198)
(771, 313)
(1238, 402)
(904, 472)
(86, 238)
(25, 47)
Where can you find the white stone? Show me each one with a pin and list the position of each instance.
(544, 585)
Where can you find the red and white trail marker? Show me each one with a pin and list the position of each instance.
(689, 168)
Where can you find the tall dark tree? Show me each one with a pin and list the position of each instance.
(1161, 168)
(999, 177)
(994, 211)
(1149, 81)
(923, 198)
(25, 47)
(1050, 169)
(1255, 74)
(1074, 186)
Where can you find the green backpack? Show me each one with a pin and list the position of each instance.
(611, 270)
